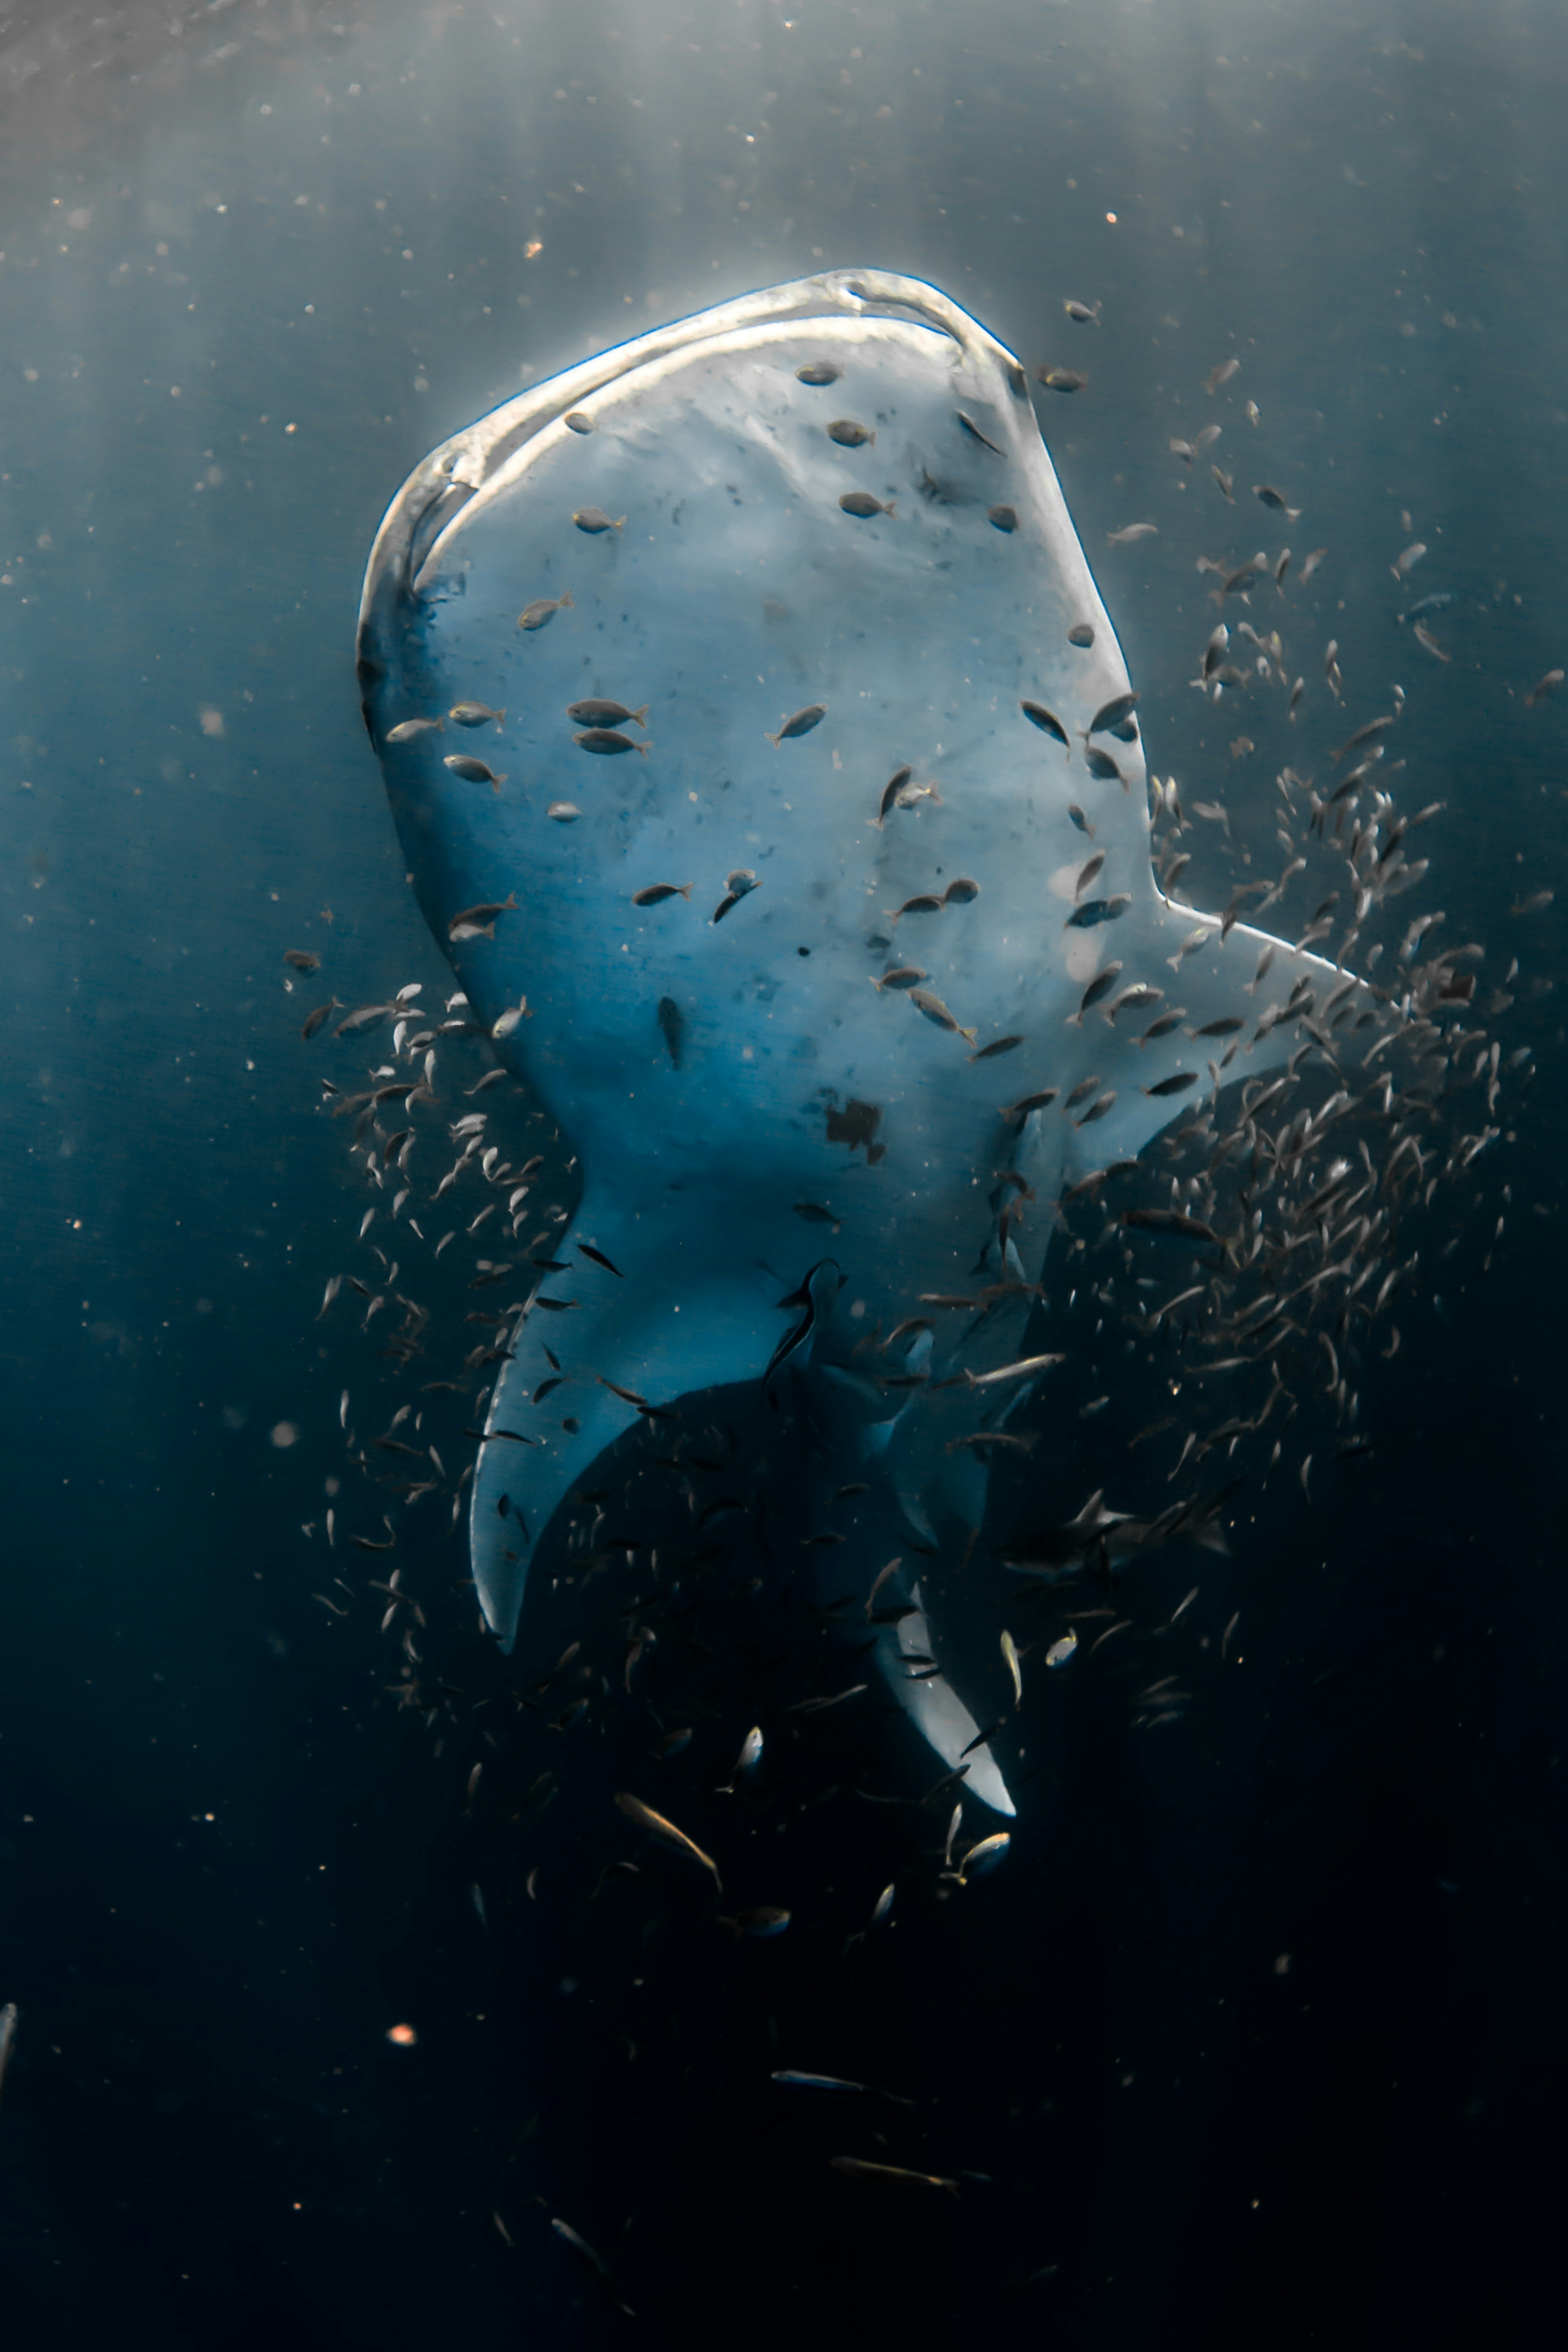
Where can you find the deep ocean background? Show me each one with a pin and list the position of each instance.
(254, 260)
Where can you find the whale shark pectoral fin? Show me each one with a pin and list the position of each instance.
(519, 1485)
(937, 1711)
(622, 1352)
(1216, 981)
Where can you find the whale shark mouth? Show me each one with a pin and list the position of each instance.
(801, 866)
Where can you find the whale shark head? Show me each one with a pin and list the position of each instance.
(815, 839)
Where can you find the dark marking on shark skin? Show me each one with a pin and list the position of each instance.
(855, 1124)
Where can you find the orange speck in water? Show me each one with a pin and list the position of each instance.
(403, 2035)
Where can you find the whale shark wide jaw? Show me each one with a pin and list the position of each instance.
(804, 541)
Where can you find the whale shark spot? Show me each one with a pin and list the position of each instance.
(734, 593)
(855, 1124)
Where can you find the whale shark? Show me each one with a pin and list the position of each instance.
(800, 868)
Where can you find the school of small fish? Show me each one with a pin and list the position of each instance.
(1292, 1212)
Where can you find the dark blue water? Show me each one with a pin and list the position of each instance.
(1260, 2037)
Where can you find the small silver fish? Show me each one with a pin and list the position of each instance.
(1135, 999)
(594, 518)
(904, 975)
(801, 723)
(1049, 724)
(596, 712)
(472, 770)
(1002, 518)
(1191, 944)
(1101, 985)
(578, 421)
(1132, 531)
(1309, 564)
(607, 740)
(860, 2168)
(862, 504)
(851, 435)
(1402, 565)
(1227, 484)
(984, 1856)
(1275, 498)
(1079, 819)
(647, 1819)
(935, 1011)
(737, 885)
(474, 714)
(1538, 692)
(890, 792)
(820, 372)
(1112, 714)
(1088, 873)
(1097, 1110)
(1082, 313)
(476, 923)
(1221, 374)
(564, 812)
(762, 1920)
(1060, 1650)
(1060, 379)
(1163, 1025)
(657, 892)
(407, 728)
(974, 434)
(748, 1760)
(543, 609)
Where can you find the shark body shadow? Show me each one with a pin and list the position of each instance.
(816, 535)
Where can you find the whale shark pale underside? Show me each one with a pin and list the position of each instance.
(810, 545)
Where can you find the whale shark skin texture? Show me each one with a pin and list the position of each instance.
(716, 1077)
